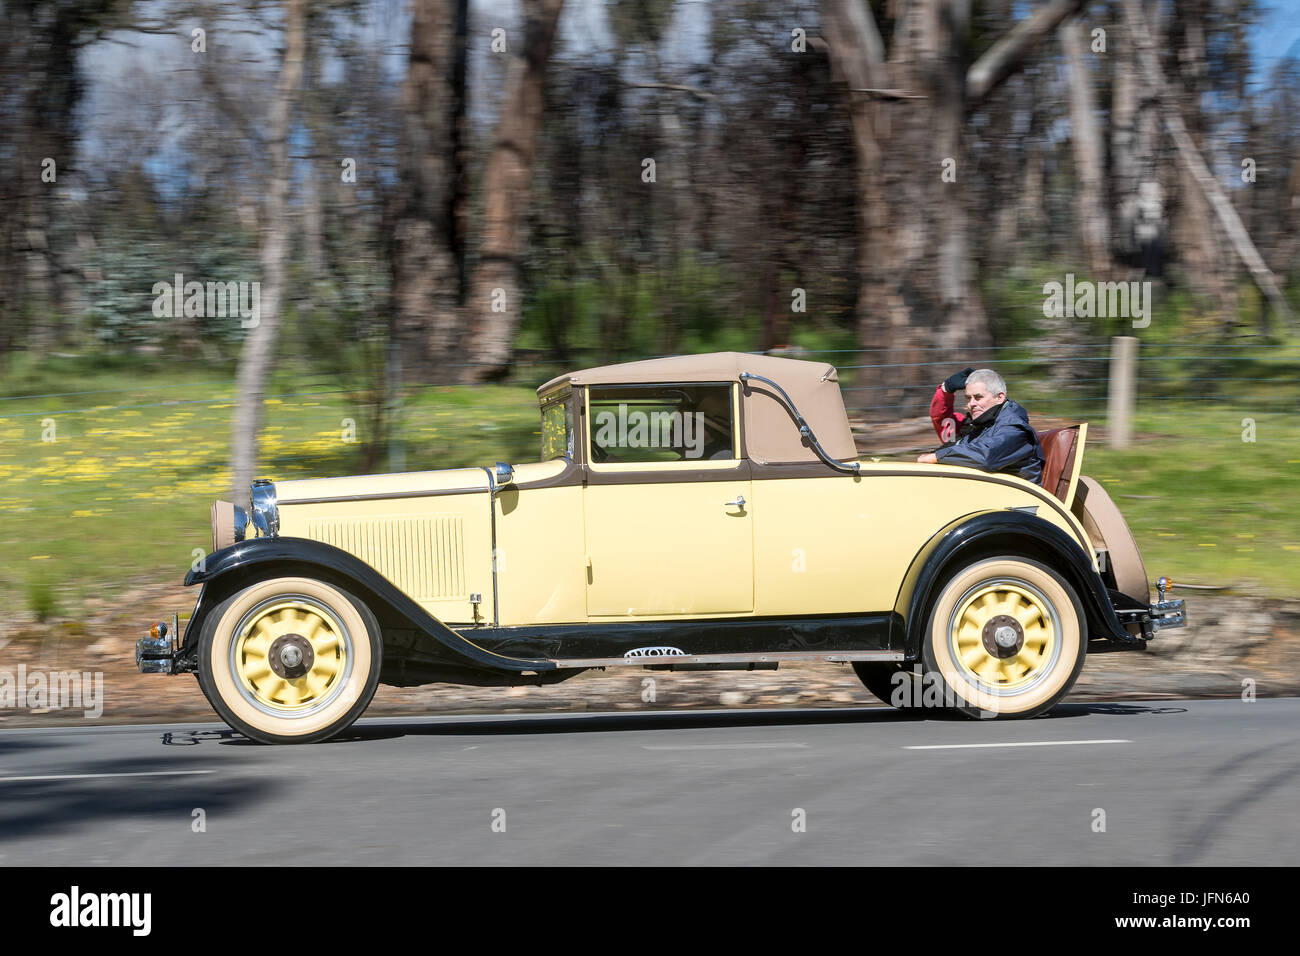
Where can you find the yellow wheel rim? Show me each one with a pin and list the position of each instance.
(290, 656)
(1005, 635)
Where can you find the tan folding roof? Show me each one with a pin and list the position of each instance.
(770, 434)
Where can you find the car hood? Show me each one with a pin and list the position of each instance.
(406, 483)
(414, 482)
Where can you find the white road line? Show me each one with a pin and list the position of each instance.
(1022, 743)
(89, 776)
(721, 746)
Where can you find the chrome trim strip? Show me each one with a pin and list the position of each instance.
(386, 495)
(828, 657)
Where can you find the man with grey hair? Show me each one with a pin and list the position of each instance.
(994, 435)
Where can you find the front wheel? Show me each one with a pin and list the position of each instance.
(1007, 638)
(290, 660)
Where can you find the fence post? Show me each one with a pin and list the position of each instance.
(1123, 383)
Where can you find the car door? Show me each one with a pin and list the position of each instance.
(669, 528)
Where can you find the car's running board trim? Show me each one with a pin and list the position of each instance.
(779, 657)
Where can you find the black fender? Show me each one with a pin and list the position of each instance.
(987, 533)
(246, 562)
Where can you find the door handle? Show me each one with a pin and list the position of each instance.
(738, 503)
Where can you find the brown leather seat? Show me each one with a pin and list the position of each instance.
(1059, 445)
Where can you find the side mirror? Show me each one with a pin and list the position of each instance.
(503, 473)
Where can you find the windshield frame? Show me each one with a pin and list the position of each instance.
(563, 397)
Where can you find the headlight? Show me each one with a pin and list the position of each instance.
(266, 517)
(229, 524)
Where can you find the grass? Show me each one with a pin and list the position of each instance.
(97, 489)
(122, 491)
(1206, 506)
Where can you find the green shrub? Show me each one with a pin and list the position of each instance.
(42, 599)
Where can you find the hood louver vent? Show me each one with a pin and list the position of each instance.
(425, 557)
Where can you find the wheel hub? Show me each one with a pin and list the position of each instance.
(291, 656)
(1003, 636)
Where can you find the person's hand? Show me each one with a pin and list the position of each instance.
(957, 379)
(928, 459)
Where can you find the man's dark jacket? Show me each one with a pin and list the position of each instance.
(998, 440)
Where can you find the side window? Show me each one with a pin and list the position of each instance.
(658, 423)
(558, 428)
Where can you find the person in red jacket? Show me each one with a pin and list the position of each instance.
(994, 434)
(947, 422)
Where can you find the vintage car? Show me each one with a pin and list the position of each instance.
(699, 512)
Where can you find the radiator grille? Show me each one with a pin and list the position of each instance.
(425, 557)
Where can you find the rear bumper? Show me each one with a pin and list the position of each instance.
(1150, 618)
(1167, 614)
(157, 654)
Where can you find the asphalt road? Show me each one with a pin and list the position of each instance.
(1181, 783)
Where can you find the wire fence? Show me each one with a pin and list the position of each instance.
(1232, 373)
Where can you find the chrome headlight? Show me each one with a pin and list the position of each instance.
(266, 516)
(229, 524)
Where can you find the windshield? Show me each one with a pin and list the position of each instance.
(557, 427)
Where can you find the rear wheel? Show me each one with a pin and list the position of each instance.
(290, 660)
(1006, 637)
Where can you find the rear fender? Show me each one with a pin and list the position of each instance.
(979, 535)
(1107, 528)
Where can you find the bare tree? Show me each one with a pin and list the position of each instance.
(258, 352)
(1194, 163)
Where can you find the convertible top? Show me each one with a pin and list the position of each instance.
(769, 433)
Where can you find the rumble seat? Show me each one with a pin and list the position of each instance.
(1059, 447)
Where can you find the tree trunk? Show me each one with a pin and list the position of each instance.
(428, 240)
(1094, 223)
(1123, 144)
(493, 306)
(258, 353)
(1135, 138)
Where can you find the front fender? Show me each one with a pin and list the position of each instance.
(246, 562)
(987, 533)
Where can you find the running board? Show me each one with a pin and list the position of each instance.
(729, 661)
